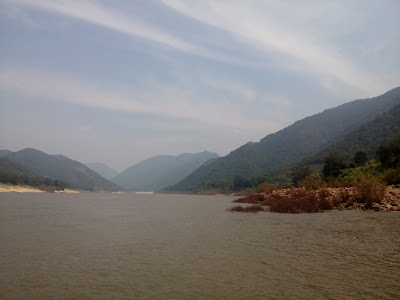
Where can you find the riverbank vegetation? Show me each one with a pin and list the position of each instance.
(357, 182)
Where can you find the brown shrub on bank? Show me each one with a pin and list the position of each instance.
(299, 201)
(324, 202)
(369, 189)
(252, 198)
(312, 182)
(343, 196)
(247, 209)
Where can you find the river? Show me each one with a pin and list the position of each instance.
(127, 246)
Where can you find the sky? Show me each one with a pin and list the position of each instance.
(120, 81)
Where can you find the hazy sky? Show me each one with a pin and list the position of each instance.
(120, 81)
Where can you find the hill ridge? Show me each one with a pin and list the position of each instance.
(290, 144)
(159, 171)
(59, 167)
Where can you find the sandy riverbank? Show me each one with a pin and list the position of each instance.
(68, 191)
(8, 188)
(4, 188)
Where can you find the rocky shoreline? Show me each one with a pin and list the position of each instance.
(301, 200)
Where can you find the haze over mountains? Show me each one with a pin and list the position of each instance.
(291, 144)
(161, 171)
(102, 169)
(357, 125)
(31, 165)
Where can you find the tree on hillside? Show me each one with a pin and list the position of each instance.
(361, 158)
(389, 154)
(299, 173)
(334, 164)
(240, 182)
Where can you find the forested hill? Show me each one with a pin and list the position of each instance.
(367, 137)
(160, 171)
(289, 145)
(58, 167)
(12, 172)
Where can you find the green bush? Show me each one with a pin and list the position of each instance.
(266, 188)
(392, 176)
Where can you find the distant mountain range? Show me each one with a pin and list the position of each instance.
(102, 169)
(56, 167)
(312, 135)
(161, 171)
(357, 125)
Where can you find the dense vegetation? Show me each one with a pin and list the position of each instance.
(160, 171)
(385, 166)
(293, 144)
(57, 167)
(345, 182)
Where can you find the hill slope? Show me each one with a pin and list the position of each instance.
(289, 145)
(12, 172)
(72, 173)
(4, 152)
(368, 137)
(160, 171)
(102, 169)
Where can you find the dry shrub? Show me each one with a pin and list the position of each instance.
(252, 198)
(247, 209)
(324, 202)
(350, 202)
(299, 201)
(282, 204)
(392, 176)
(312, 182)
(289, 201)
(344, 196)
(323, 193)
(369, 189)
(266, 188)
(298, 193)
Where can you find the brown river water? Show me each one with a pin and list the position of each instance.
(126, 246)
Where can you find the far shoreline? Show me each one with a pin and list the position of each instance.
(9, 188)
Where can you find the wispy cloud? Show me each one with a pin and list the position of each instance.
(96, 13)
(158, 100)
(272, 29)
(258, 25)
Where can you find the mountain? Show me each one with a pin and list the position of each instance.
(102, 169)
(368, 137)
(8, 166)
(58, 167)
(4, 152)
(15, 173)
(289, 145)
(160, 171)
